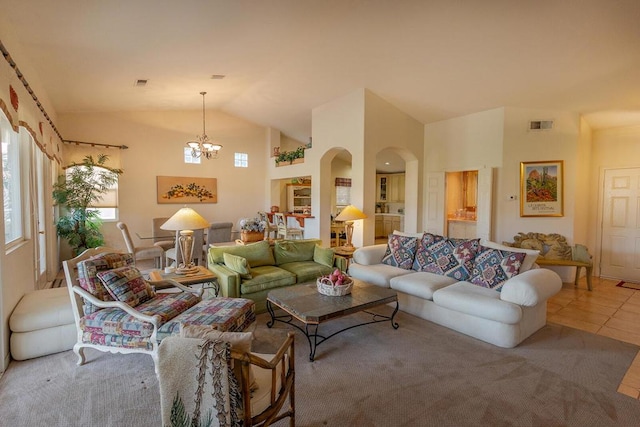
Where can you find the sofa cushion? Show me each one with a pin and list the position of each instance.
(493, 267)
(294, 250)
(449, 257)
(324, 256)
(127, 285)
(420, 284)
(88, 279)
(257, 254)
(400, 252)
(267, 277)
(529, 260)
(474, 300)
(238, 264)
(306, 271)
(376, 274)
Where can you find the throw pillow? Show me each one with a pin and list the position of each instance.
(493, 267)
(445, 256)
(323, 256)
(530, 258)
(400, 251)
(127, 285)
(240, 341)
(238, 264)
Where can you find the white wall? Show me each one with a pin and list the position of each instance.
(156, 141)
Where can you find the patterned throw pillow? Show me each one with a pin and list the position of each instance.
(400, 251)
(88, 279)
(493, 267)
(445, 256)
(127, 285)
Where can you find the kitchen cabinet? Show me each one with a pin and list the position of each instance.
(390, 188)
(299, 198)
(386, 224)
(379, 226)
(459, 229)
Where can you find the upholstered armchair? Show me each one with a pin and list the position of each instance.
(115, 309)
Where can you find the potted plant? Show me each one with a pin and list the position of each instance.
(76, 192)
(290, 156)
(252, 230)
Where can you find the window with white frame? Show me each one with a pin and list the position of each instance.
(11, 182)
(241, 160)
(189, 158)
(107, 207)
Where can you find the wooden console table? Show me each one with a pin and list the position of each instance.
(570, 263)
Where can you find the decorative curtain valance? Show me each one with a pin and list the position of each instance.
(343, 182)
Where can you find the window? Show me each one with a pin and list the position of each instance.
(188, 158)
(11, 182)
(107, 207)
(241, 160)
(343, 191)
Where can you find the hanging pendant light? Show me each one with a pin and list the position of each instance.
(203, 146)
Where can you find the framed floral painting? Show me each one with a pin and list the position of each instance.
(541, 188)
(183, 190)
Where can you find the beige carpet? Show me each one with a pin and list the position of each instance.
(420, 374)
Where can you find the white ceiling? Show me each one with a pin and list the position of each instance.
(433, 59)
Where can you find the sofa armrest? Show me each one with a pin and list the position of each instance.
(340, 263)
(369, 255)
(531, 287)
(228, 280)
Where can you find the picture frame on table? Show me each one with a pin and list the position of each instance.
(542, 188)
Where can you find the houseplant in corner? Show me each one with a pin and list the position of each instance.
(83, 186)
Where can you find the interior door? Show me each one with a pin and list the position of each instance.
(39, 217)
(620, 248)
(435, 209)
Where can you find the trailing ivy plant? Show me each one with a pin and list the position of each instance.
(76, 192)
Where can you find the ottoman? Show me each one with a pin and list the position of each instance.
(224, 314)
(42, 323)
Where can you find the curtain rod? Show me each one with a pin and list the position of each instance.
(13, 65)
(95, 144)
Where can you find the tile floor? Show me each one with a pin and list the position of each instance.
(608, 310)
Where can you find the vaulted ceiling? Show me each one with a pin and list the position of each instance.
(432, 59)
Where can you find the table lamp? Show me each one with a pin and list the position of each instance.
(349, 214)
(185, 221)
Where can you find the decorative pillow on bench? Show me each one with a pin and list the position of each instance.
(493, 267)
(445, 256)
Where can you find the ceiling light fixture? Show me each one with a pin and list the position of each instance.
(204, 146)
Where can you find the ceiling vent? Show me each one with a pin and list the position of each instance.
(537, 125)
(141, 82)
(218, 76)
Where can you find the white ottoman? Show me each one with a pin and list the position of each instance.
(42, 323)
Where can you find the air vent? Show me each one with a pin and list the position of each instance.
(536, 125)
(218, 76)
(141, 82)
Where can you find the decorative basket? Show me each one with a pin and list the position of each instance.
(325, 287)
(251, 236)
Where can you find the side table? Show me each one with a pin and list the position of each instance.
(344, 253)
(203, 277)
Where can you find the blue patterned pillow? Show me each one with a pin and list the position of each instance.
(445, 256)
(400, 251)
(493, 267)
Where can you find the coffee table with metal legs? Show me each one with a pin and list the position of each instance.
(305, 304)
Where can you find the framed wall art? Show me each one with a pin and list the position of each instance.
(183, 190)
(541, 188)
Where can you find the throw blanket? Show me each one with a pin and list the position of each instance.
(197, 385)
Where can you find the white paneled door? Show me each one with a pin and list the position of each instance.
(620, 249)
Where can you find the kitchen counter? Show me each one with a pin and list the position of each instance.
(390, 213)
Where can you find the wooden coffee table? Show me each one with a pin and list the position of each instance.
(311, 308)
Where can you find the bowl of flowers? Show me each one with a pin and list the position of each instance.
(252, 230)
(336, 284)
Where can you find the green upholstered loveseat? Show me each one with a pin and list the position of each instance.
(252, 270)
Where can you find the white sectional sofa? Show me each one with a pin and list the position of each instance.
(503, 316)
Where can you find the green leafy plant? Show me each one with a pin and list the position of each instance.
(290, 156)
(76, 192)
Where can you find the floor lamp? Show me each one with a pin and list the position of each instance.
(349, 214)
(185, 221)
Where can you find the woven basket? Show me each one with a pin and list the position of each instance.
(326, 288)
(251, 236)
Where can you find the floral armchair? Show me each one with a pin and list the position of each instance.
(115, 309)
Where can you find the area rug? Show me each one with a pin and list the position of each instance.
(629, 285)
(421, 374)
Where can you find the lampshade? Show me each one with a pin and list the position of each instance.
(350, 213)
(185, 219)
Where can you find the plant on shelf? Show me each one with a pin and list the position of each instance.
(290, 156)
(82, 187)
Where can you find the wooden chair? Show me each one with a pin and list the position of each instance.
(141, 252)
(271, 227)
(284, 230)
(193, 370)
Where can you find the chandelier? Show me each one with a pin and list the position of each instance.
(203, 146)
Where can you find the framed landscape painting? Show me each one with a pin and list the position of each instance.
(541, 188)
(183, 190)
